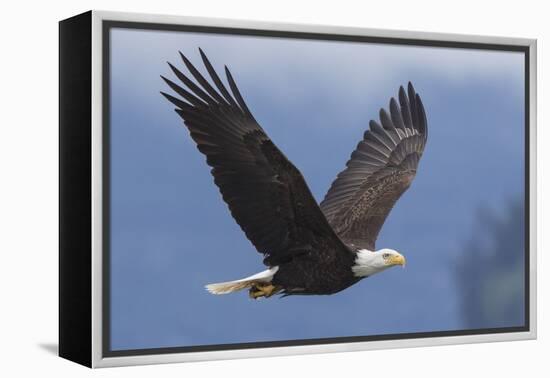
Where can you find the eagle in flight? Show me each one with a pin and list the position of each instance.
(309, 249)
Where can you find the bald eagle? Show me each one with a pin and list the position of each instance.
(309, 249)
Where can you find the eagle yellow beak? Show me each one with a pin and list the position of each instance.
(398, 260)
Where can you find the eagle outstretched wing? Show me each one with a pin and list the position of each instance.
(379, 171)
(265, 192)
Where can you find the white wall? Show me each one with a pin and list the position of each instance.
(28, 200)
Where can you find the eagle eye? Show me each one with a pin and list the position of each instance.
(386, 256)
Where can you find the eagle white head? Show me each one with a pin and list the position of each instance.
(368, 262)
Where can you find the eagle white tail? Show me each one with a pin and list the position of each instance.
(244, 283)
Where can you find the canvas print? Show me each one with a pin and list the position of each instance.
(266, 189)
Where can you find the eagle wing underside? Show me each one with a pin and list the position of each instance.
(379, 171)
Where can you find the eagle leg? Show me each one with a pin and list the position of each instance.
(266, 290)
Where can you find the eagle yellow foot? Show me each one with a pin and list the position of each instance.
(263, 290)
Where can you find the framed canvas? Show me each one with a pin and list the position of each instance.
(234, 189)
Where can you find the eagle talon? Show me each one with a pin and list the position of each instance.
(258, 291)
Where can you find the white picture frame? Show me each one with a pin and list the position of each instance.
(92, 351)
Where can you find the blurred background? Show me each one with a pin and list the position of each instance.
(460, 225)
(493, 293)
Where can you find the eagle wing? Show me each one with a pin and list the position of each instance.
(266, 194)
(379, 171)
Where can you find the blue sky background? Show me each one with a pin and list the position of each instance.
(171, 233)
